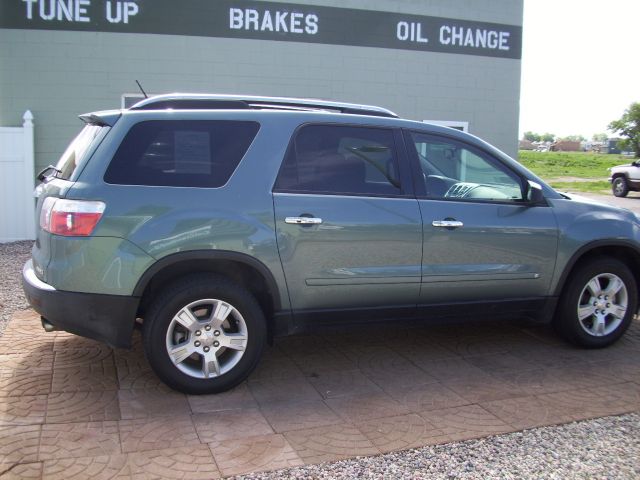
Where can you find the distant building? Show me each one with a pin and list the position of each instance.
(611, 146)
(525, 144)
(595, 147)
(565, 146)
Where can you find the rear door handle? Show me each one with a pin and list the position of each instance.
(447, 223)
(303, 220)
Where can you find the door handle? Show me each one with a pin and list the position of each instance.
(447, 223)
(303, 220)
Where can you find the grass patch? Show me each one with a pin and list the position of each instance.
(600, 186)
(553, 166)
(570, 164)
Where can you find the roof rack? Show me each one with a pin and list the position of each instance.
(186, 101)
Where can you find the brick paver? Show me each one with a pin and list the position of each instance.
(82, 439)
(135, 378)
(360, 407)
(333, 442)
(82, 357)
(82, 406)
(262, 452)
(468, 421)
(238, 398)
(433, 396)
(18, 444)
(25, 410)
(188, 463)
(287, 416)
(157, 433)
(74, 408)
(231, 424)
(152, 402)
(94, 377)
(529, 412)
(401, 432)
(343, 383)
(268, 391)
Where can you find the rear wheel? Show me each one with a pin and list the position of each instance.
(598, 303)
(204, 334)
(619, 187)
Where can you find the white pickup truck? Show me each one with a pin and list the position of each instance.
(625, 178)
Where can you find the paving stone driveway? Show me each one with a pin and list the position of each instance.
(73, 408)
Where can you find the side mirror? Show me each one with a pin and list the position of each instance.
(534, 193)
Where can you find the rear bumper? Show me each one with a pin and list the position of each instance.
(107, 318)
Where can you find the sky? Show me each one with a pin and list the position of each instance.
(580, 64)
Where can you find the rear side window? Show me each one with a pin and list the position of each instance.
(340, 159)
(179, 153)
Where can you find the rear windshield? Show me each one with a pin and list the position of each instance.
(74, 155)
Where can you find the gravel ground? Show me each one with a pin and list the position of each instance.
(604, 448)
(12, 258)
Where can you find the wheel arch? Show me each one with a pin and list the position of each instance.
(623, 250)
(244, 269)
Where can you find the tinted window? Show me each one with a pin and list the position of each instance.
(341, 159)
(452, 170)
(181, 153)
(75, 152)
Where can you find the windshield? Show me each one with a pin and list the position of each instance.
(76, 150)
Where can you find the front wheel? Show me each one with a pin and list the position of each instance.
(598, 304)
(204, 334)
(619, 187)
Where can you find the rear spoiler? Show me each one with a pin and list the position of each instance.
(106, 118)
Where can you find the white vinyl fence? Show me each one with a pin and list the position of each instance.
(17, 182)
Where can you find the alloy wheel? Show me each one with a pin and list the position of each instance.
(206, 338)
(602, 304)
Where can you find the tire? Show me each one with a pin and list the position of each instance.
(186, 319)
(619, 187)
(598, 303)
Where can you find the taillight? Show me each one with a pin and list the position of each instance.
(70, 217)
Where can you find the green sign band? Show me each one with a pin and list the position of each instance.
(268, 21)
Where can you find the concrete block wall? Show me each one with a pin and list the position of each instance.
(59, 74)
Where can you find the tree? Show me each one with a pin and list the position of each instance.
(629, 126)
(548, 137)
(532, 137)
(600, 137)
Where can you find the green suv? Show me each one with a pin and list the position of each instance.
(216, 222)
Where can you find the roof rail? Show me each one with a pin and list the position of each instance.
(186, 101)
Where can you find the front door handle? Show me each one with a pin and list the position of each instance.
(303, 220)
(447, 223)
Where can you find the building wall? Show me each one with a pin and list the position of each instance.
(59, 74)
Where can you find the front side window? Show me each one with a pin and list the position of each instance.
(177, 153)
(336, 159)
(452, 170)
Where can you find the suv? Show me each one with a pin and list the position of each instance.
(625, 178)
(217, 222)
